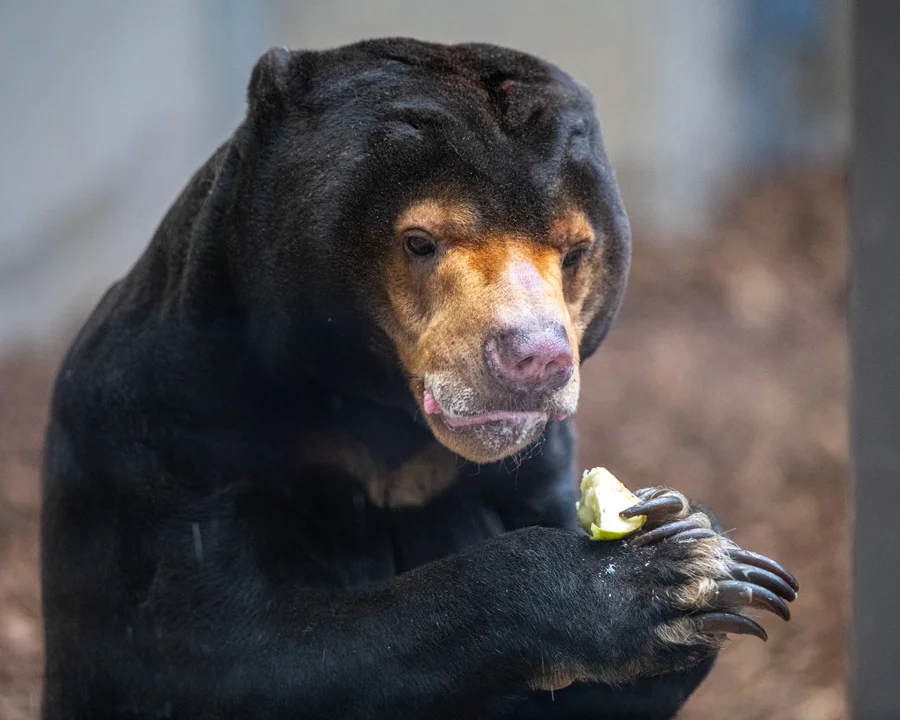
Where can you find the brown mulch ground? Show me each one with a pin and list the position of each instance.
(726, 375)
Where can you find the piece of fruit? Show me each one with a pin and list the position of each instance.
(603, 497)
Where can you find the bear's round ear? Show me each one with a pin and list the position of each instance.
(269, 81)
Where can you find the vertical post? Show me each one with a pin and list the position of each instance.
(875, 352)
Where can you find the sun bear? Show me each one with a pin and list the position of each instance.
(313, 457)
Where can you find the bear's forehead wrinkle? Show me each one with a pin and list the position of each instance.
(462, 122)
(461, 84)
(467, 75)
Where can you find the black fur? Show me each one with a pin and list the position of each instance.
(194, 567)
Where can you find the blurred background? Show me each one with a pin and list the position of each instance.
(726, 375)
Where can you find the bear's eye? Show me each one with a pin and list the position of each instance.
(420, 246)
(574, 256)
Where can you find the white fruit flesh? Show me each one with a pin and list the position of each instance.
(603, 497)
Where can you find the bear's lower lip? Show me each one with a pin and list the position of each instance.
(495, 418)
(511, 417)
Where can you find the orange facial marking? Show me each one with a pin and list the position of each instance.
(476, 280)
(571, 227)
(443, 219)
(443, 310)
(487, 258)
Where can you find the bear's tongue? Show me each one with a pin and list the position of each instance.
(432, 407)
(430, 404)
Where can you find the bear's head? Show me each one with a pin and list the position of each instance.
(448, 210)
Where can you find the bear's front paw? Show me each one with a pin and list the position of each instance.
(711, 580)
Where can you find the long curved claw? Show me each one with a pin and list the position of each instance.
(657, 509)
(694, 534)
(665, 531)
(765, 579)
(651, 492)
(761, 561)
(720, 623)
(735, 593)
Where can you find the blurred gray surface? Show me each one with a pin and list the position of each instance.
(108, 108)
(875, 334)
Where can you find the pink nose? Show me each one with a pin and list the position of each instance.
(533, 359)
